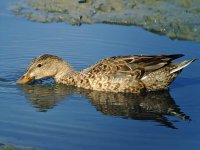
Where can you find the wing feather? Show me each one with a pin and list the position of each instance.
(135, 65)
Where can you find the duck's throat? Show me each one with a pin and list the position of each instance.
(65, 75)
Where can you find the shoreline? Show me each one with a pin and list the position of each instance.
(177, 20)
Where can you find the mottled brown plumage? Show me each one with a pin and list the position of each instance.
(130, 74)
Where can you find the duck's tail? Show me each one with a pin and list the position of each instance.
(181, 65)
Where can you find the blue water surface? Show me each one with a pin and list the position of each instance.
(47, 116)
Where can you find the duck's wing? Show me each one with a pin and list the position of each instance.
(135, 65)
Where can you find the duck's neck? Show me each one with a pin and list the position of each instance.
(64, 73)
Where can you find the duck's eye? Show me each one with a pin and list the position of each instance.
(39, 65)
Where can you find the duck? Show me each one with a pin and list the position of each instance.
(123, 74)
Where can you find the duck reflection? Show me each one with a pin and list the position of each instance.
(149, 106)
(46, 96)
(154, 106)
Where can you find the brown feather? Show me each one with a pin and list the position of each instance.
(130, 74)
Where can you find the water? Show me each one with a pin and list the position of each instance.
(49, 116)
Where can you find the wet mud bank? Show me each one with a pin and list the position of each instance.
(177, 19)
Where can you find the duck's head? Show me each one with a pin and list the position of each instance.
(45, 66)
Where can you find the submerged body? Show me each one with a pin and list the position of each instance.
(129, 74)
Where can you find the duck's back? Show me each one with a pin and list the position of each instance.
(131, 74)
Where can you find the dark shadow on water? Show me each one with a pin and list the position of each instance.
(4, 80)
(154, 106)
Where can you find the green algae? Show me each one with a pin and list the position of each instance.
(177, 19)
(12, 147)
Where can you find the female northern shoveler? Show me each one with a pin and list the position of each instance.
(130, 74)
